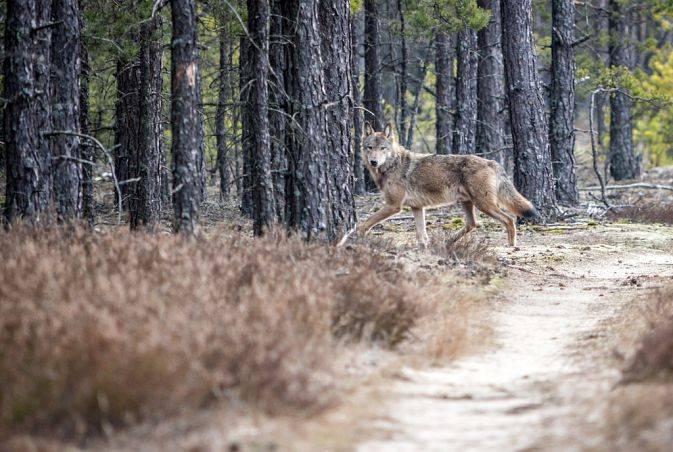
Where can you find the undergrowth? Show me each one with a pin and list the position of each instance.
(105, 330)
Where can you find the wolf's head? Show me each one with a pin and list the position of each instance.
(378, 146)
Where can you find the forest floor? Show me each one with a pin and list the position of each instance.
(539, 372)
(546, 331)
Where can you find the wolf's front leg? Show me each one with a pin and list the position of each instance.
(421, 232)
(382, 214)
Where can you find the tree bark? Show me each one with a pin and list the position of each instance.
(319, 201)
(337, 58)
(88, 152)
(278, 123)
(201, 165)
(263, 207)
(561, 124)
(65, 112)
(358, 167)
(220, 115)
(146, 207)
(245, 81)
(464, 140)
(623, 161)
(490, 88)
(533, 174)
(127, 128)
(372, 93)
(404, 59)
(27, 158)
(184, 116)
(445, 89)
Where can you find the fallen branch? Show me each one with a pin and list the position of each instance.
(628, 186)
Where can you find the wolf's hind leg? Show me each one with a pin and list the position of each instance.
(490, 208)
(421, 233)
(470, 219)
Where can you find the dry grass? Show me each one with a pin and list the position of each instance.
(654, 354)
(639, 411)
(645, 212)
(103, 330)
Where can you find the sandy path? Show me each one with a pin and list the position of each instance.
(523, 393)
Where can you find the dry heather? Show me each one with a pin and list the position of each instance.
(654, 354)
(100, 330)
(646, 212)
(639, 412)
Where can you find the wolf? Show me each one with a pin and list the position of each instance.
(422, 181)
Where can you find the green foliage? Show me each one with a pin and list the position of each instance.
(447, 15)
(654, 128)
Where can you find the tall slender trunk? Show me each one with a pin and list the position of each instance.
(490, 139)
(623, 162)
(372, 96)
(65, 65)
(445, 46)
(201, 164)
(27, 158)
(127, 126)
(404, 59)
(561, 124)
(87, 149)
(533, 174)
(263, 207)
(278, 123)
(245, 81)
(466, 93)
(417, 100)
(220, 115)
(146, 206)
(337, 58)
(184, 116)
(358, 167)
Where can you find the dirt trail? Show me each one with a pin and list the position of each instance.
(549, 361)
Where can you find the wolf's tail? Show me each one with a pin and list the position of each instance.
(514, 201)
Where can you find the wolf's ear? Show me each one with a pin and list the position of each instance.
(368, 129)
(388, 131)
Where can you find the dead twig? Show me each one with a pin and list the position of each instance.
(629, 186)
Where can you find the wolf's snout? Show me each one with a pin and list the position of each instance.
(373, 163)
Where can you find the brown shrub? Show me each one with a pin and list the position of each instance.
(468, 248)
(654, 353)
(645, 212)
(105, 329)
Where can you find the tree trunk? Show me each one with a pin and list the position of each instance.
(561, 124)
(200, 136)
(220, 115)
(490, 139)
(263, 208)
(338, 116)
(533, 174)
(65, 65)
(623, 161)
(278, 123)
(319, 201)
(27, 159)
(372, 94)
(146, 207)
(184, 116)
(247, 124)
(358, 167)
(127, 128)
(445, 89)
(466, 93)
(404, 59)
(87, 148)
(417, 98)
